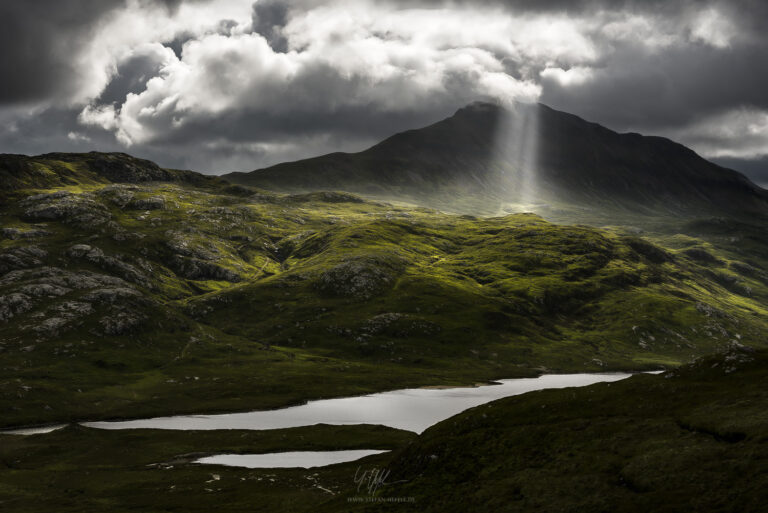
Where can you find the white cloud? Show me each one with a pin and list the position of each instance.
(78, 137)
(103, 116)
(142, 24)
(712, 27)
(578, 75)
(382, 59)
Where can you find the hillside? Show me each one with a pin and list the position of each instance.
(75, 169)
(689, 440)
(159, 297)
(487, 159)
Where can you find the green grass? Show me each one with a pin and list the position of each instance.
(691, 440)
(251, 300)
(81, 469)
(326, 294)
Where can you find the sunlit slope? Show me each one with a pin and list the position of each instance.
(527, 157)
(122, 299)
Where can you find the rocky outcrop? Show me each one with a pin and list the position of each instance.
(152, 203)
(119, 194)
(360, 277)
(74, 209)
(77, 297)
(108, 263)
(17, 233)
(14, 304)
(196, 269)
(21, 258)
(121, 323)
(119, 167)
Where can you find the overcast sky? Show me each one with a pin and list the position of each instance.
(224, 85)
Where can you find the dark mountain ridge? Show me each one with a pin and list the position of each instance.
(528, 154)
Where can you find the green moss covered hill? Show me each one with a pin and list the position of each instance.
(131, 290)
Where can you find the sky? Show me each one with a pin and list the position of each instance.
(236, 85)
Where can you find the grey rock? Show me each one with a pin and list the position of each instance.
(50, 326)
(73, 309)
(46, 196)
(85, 251)
(61, 317)
(121, 323)
(118, 194)
(16, 233)
(44, 290)
(112, 295)
(152, 203)
(181, 244)
(59, 277)
(21, 258)
(196, 269)
(360, 278)
(79, 210)
(108, 263)
(13, 305)
(10, 233)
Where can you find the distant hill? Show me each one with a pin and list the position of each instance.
(69, 169)
(485, 156)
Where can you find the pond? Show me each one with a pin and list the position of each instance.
(413, 409)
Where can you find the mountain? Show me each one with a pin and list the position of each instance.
(485, 158)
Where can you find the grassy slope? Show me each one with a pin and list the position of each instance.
(80, 469)
(689, 440)
(253, 300)
(324, 294)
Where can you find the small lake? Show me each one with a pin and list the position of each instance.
(308, 459)
(33, 430)
(413, 409)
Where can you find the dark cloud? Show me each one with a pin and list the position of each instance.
(269, 17)
(131, 77)
(38, 41)
(324, 106)
(638, 90)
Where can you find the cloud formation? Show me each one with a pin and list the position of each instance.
(220, 85)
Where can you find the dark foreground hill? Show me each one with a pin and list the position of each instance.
(690, 440)
(486, 158)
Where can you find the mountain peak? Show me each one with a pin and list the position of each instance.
(487, 156)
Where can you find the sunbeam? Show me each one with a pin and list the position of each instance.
(516, 156)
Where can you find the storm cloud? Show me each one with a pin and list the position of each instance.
(222, 85)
